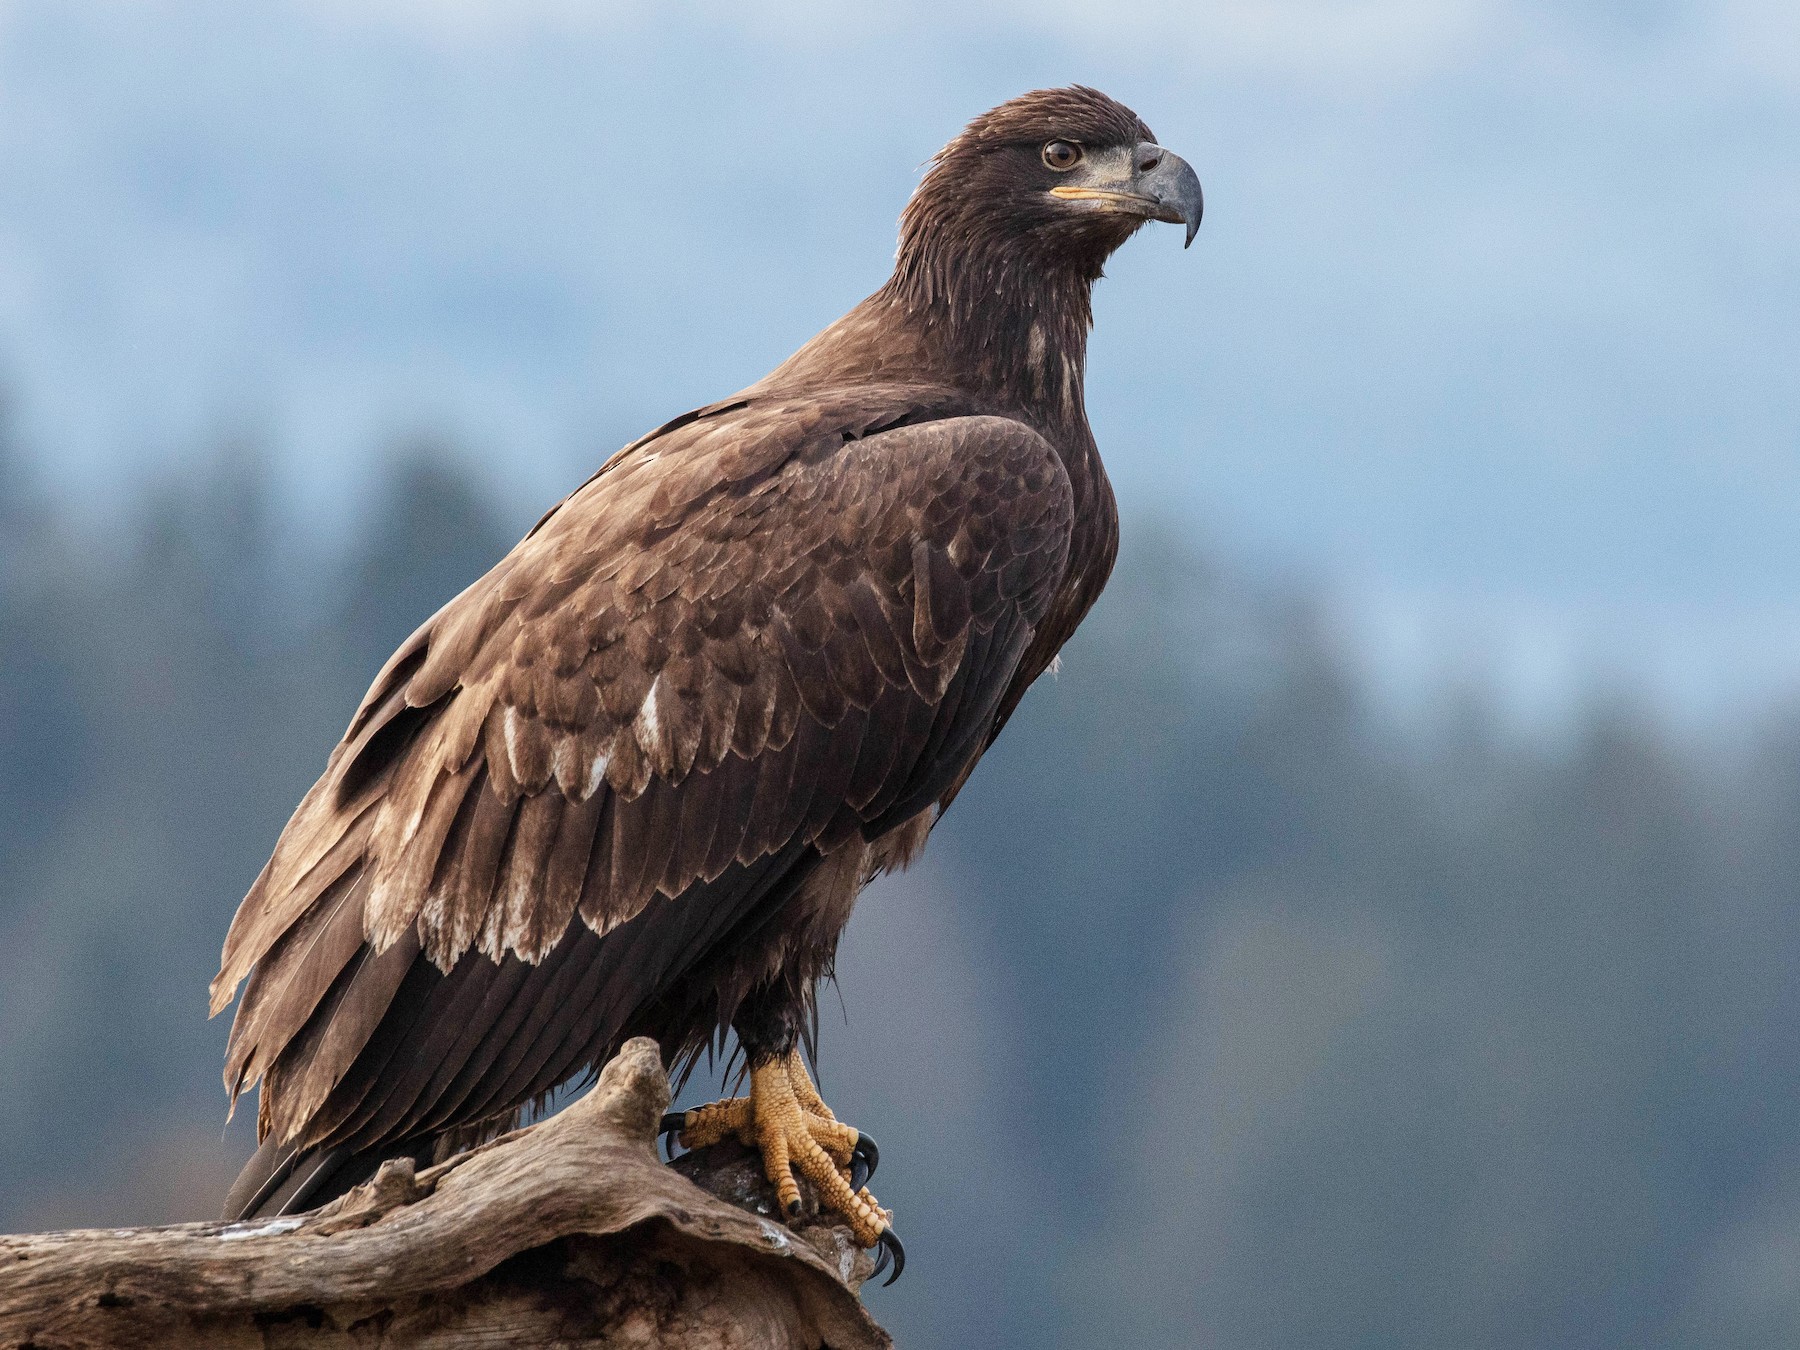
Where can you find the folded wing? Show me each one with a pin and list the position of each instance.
(766, 630)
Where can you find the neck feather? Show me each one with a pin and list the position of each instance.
(1017, 322)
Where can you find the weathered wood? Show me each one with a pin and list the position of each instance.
(571, 1232)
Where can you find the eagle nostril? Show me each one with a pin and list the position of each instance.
(1150, 160)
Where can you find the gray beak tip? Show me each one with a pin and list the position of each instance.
(1176, 188)
(1193, 206)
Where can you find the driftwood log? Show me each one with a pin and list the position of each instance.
(569, 1233)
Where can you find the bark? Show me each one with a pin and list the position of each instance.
(569, 1233)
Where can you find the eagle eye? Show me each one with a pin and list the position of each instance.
(1062, 155)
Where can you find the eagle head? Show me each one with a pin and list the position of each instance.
(1062, 176)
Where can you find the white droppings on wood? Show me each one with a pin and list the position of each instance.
(274, 1228)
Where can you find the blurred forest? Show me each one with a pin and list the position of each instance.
(1223, 1010)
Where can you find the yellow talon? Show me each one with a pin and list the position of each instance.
(785, 1119)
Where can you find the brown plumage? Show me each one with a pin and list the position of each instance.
(631, 780)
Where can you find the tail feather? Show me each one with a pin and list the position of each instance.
(282, 1179)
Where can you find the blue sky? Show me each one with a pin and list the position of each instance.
(1490, 329)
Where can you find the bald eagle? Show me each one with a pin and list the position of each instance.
(632, 780)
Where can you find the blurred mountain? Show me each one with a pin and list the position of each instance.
(1221, 1011)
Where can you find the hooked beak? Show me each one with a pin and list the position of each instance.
(1156, 183)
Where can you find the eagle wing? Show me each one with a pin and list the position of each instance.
(765, 629)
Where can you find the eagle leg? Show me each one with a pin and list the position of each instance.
(785, 1119)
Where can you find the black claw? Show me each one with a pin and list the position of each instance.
(889, 1246)
(793, 1208)
(865, 1157)
(673, 1123)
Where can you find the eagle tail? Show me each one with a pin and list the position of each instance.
(282, 1179)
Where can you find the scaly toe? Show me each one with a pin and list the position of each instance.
(716, 1121)
(838, 1140)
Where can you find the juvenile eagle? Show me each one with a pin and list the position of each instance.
(631, 781)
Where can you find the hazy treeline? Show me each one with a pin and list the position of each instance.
(1245, 1015)
(166, 695)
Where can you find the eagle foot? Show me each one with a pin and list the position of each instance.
(785, 1120)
